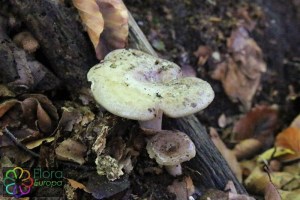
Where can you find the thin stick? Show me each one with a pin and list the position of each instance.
(137, 35)
(19, 144)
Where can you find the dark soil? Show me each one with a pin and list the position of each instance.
(184, 25)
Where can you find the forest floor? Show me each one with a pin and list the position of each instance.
(249, 51)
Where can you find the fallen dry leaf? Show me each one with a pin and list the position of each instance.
(289, 138)
(275, 152)
(91, 17)
(247, 166)
(290, 195)
(296, 122)
(259, 123)
(271, 193)
(35, 114)
(6, 105)
(202, 53)
(258, 180)
(182, 189)
(115, 33)
(240, 73)
(5, 92)
(247, 148)
(36, 143)
(76, 185)
(71, 150)
(226, 153)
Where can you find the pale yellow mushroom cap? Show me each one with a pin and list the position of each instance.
(136, 85)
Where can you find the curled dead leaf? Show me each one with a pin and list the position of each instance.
(259, 123)
(240, 73)
(115, 31)
(91, 18)
(39, 112)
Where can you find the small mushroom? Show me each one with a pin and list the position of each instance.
(170, 149)
(136, 85)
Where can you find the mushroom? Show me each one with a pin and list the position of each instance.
(135, 85)
(170, 149)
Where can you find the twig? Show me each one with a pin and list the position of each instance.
(19, 144)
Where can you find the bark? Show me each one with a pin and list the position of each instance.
(214, 171)
(21, 71)
(61, 37)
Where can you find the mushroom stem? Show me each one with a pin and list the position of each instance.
(155, 123)
(174, 170)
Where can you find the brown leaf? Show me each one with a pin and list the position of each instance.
(45, 103)
(233, 195)
(6, 105)
(259, 123)
(296, 122)
(23, 135)
(182, 189)
(271, 193)
(76, 185)
(44, 121)
(39, 111)
(289, 138)
(115, 31)
(91, 18)
(247, 148)
(5, 92)
(36, 143)
(71, 150)
(240, 73)
(226, 153)
(202, 53)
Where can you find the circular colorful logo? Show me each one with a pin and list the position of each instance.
(17, 182)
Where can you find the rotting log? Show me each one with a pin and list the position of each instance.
(214, 171)
(61, 38)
